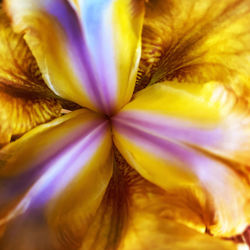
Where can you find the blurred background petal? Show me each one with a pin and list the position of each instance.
(25, 99)
(52, 181)
(196, 41)
(178, 134)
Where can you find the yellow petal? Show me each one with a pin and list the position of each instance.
(25, 100)
(197, 41)
(94, 54)
(184, 134)
(135, 214)
(52, 181)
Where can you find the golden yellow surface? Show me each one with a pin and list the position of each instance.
(127, 19)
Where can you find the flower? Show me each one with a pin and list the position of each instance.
(182, 128)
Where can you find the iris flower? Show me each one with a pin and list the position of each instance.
(124, 124)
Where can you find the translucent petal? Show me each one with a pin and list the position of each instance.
(53, 179)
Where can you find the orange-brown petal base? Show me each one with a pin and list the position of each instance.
(137, 215)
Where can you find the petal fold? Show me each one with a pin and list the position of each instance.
(181, 134)
(25, 100)
(94, 54)
(55, 176)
